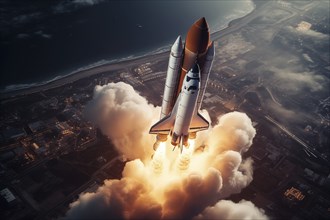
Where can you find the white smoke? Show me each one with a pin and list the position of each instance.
(234, 132)
(225, 209)
(124, 116)
(158, 188)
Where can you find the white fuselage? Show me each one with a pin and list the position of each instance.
(186, 107)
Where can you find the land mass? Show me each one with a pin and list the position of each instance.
(273, 64)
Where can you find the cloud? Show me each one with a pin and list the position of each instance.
(225, 209)
(68, 6)
(124, 116)
(308, 58)
(286, 115)
(42, 34)
(296, 81)
(22, 36)
(292, 75)
(87, 2)
(116, 199)
(133, 197)
(315, 34)
(234, 131)
(25, 18)
(171, 185)
(140, 194)
(236, 174)
(309, 33)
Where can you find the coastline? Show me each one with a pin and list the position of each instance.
(20, 87)
(108, 65)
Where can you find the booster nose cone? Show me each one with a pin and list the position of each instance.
(198, 36)
(177, 47)
(178, 42)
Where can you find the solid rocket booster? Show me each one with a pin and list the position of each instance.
(188, 63)
(206, 73)
(174, 66)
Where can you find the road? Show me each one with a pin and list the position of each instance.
(307, 148)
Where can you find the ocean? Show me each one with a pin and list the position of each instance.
(44, 41)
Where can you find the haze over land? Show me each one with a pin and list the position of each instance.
(271, 73)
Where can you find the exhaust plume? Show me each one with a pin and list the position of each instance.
(170, 185)
(225, 209)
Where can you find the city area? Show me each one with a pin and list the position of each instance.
(273, 65)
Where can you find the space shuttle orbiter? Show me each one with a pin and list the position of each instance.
(187, 75)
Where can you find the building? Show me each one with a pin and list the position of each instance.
(304, 26)
(8, 197)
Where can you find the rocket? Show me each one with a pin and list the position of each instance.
(187, 75)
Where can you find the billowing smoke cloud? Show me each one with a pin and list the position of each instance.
(124, 116)
(234, 132)
(171, 185)
(225, 209)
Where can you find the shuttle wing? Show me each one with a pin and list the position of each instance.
(164, 126)
(198, 123)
